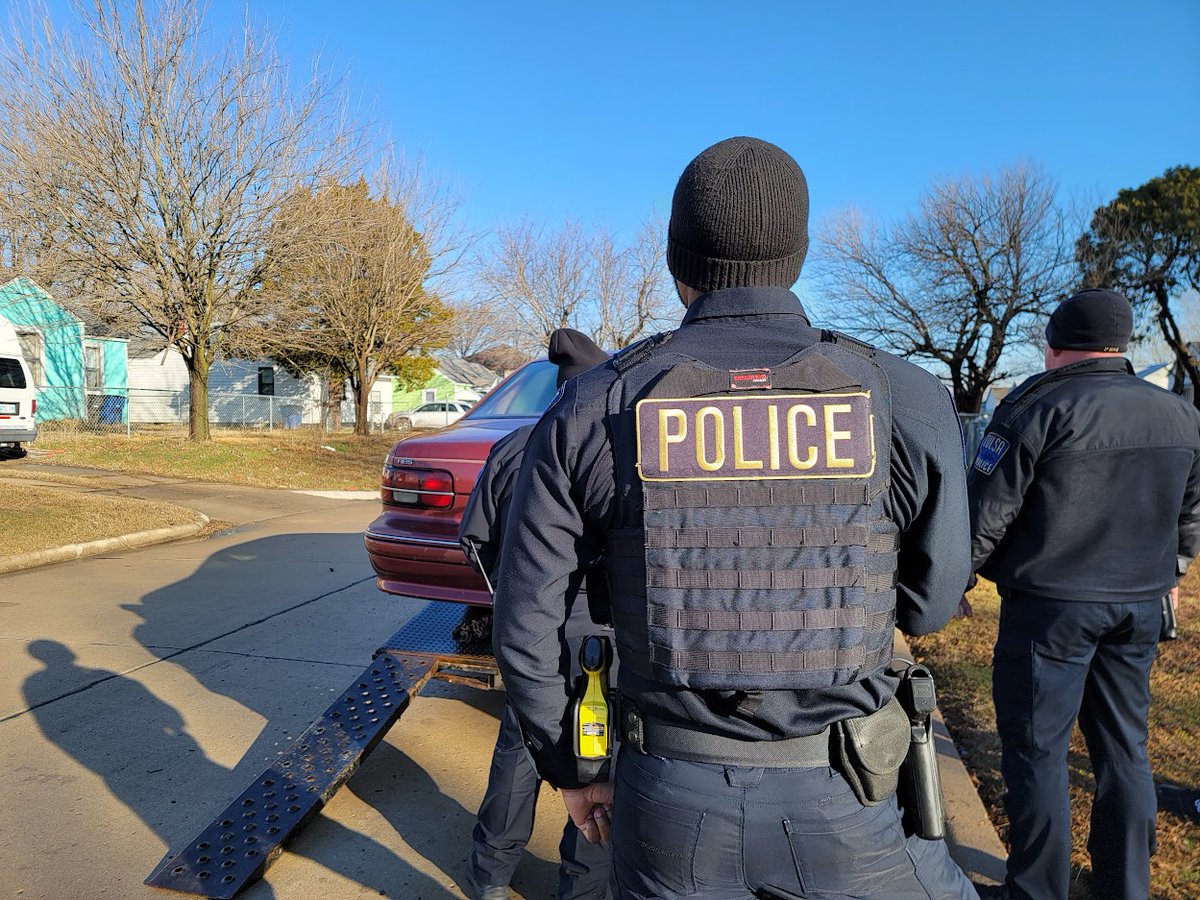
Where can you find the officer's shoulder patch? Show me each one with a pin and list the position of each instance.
(991, 450)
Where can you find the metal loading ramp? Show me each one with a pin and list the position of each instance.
(249, 834)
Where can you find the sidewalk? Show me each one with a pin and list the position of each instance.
(247, 633)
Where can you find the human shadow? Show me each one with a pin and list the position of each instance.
(182, 622)
(141, 738)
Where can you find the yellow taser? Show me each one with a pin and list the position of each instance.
(593, 710)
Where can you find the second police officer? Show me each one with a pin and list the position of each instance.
(771, 499)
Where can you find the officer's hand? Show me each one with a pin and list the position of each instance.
(1174, 595)
(964, 610)
(588, 808)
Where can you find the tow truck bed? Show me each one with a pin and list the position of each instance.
(242, 842)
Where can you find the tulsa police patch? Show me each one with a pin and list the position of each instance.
(991, 451)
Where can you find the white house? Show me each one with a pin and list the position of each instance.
(240, 392)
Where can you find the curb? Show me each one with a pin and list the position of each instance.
(970, 835)
(134, 541)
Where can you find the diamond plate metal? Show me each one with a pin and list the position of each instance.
(429, 632)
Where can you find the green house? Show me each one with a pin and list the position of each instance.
(79, 372)
(453, 379)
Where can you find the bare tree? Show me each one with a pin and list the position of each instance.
(358, 298)
(542, 279)
(144, 166)
(539, 277)
(478, 325)
(630, 289)
(961, 283)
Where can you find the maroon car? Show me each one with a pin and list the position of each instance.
(413, 545)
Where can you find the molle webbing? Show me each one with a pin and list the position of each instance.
(783, 493)
(755, 536)
(752, 662)
(765, 620)
(768, 579)
(760, 556)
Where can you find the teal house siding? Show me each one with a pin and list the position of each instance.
(59, 338)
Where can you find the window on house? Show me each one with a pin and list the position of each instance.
(429, 396)
(93, 367)
(266, 381)
(31, 349)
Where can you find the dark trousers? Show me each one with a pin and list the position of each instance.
(1056, 661)
(685, 829)
(505, 823)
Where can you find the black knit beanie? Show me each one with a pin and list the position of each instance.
(1095, 319)
(739, 218)
(574, 353)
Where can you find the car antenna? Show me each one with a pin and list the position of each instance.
(482, 571)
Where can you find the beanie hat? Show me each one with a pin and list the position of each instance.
(574, 353)
(1096, 319)
(739, 218)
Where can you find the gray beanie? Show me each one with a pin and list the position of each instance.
(739, 218)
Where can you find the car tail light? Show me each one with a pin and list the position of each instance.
(429, 488)
(33, 409)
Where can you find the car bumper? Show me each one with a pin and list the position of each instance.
(19, 435)
(427, 568)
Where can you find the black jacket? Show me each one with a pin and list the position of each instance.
(482, 522)
(1087, 486)
(564, 506)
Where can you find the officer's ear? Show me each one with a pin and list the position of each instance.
(1050, 358)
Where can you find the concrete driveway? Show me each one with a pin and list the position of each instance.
(140, 692)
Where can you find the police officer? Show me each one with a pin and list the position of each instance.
(770, 500)
(505, 820)
(1085, 507)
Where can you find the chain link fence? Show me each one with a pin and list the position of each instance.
(973, 427)
(129, 411)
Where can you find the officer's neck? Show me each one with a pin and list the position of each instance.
(1056, 359)
(687, 295)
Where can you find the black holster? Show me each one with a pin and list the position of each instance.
(1170, 625)
(920, 788)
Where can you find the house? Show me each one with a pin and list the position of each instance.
(991, 399)
(454, 378)
(243, 392)
(79, 370)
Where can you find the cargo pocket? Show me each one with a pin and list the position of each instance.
(849, 856)
(656, 841)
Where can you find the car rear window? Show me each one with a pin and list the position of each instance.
(11, 373)
(527, 393)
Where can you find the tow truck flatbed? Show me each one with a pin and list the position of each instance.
(242, 842)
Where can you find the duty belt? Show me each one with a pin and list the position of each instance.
(672, 741)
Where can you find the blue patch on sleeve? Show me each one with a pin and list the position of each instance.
(991, 450)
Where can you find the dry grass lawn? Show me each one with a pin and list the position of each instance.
(38, 518)
(961, 656)
(296, 460)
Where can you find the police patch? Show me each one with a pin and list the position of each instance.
(991, 450)
(720, 438)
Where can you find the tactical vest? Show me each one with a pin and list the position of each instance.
(755, 552)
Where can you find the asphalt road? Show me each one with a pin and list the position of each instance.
(140, 692)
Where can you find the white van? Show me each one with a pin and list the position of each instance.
(18, 404)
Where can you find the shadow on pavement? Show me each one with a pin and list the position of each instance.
(180, 623)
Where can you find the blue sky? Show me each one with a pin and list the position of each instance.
(591, 110)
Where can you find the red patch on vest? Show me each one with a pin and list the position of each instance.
(749, 379)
